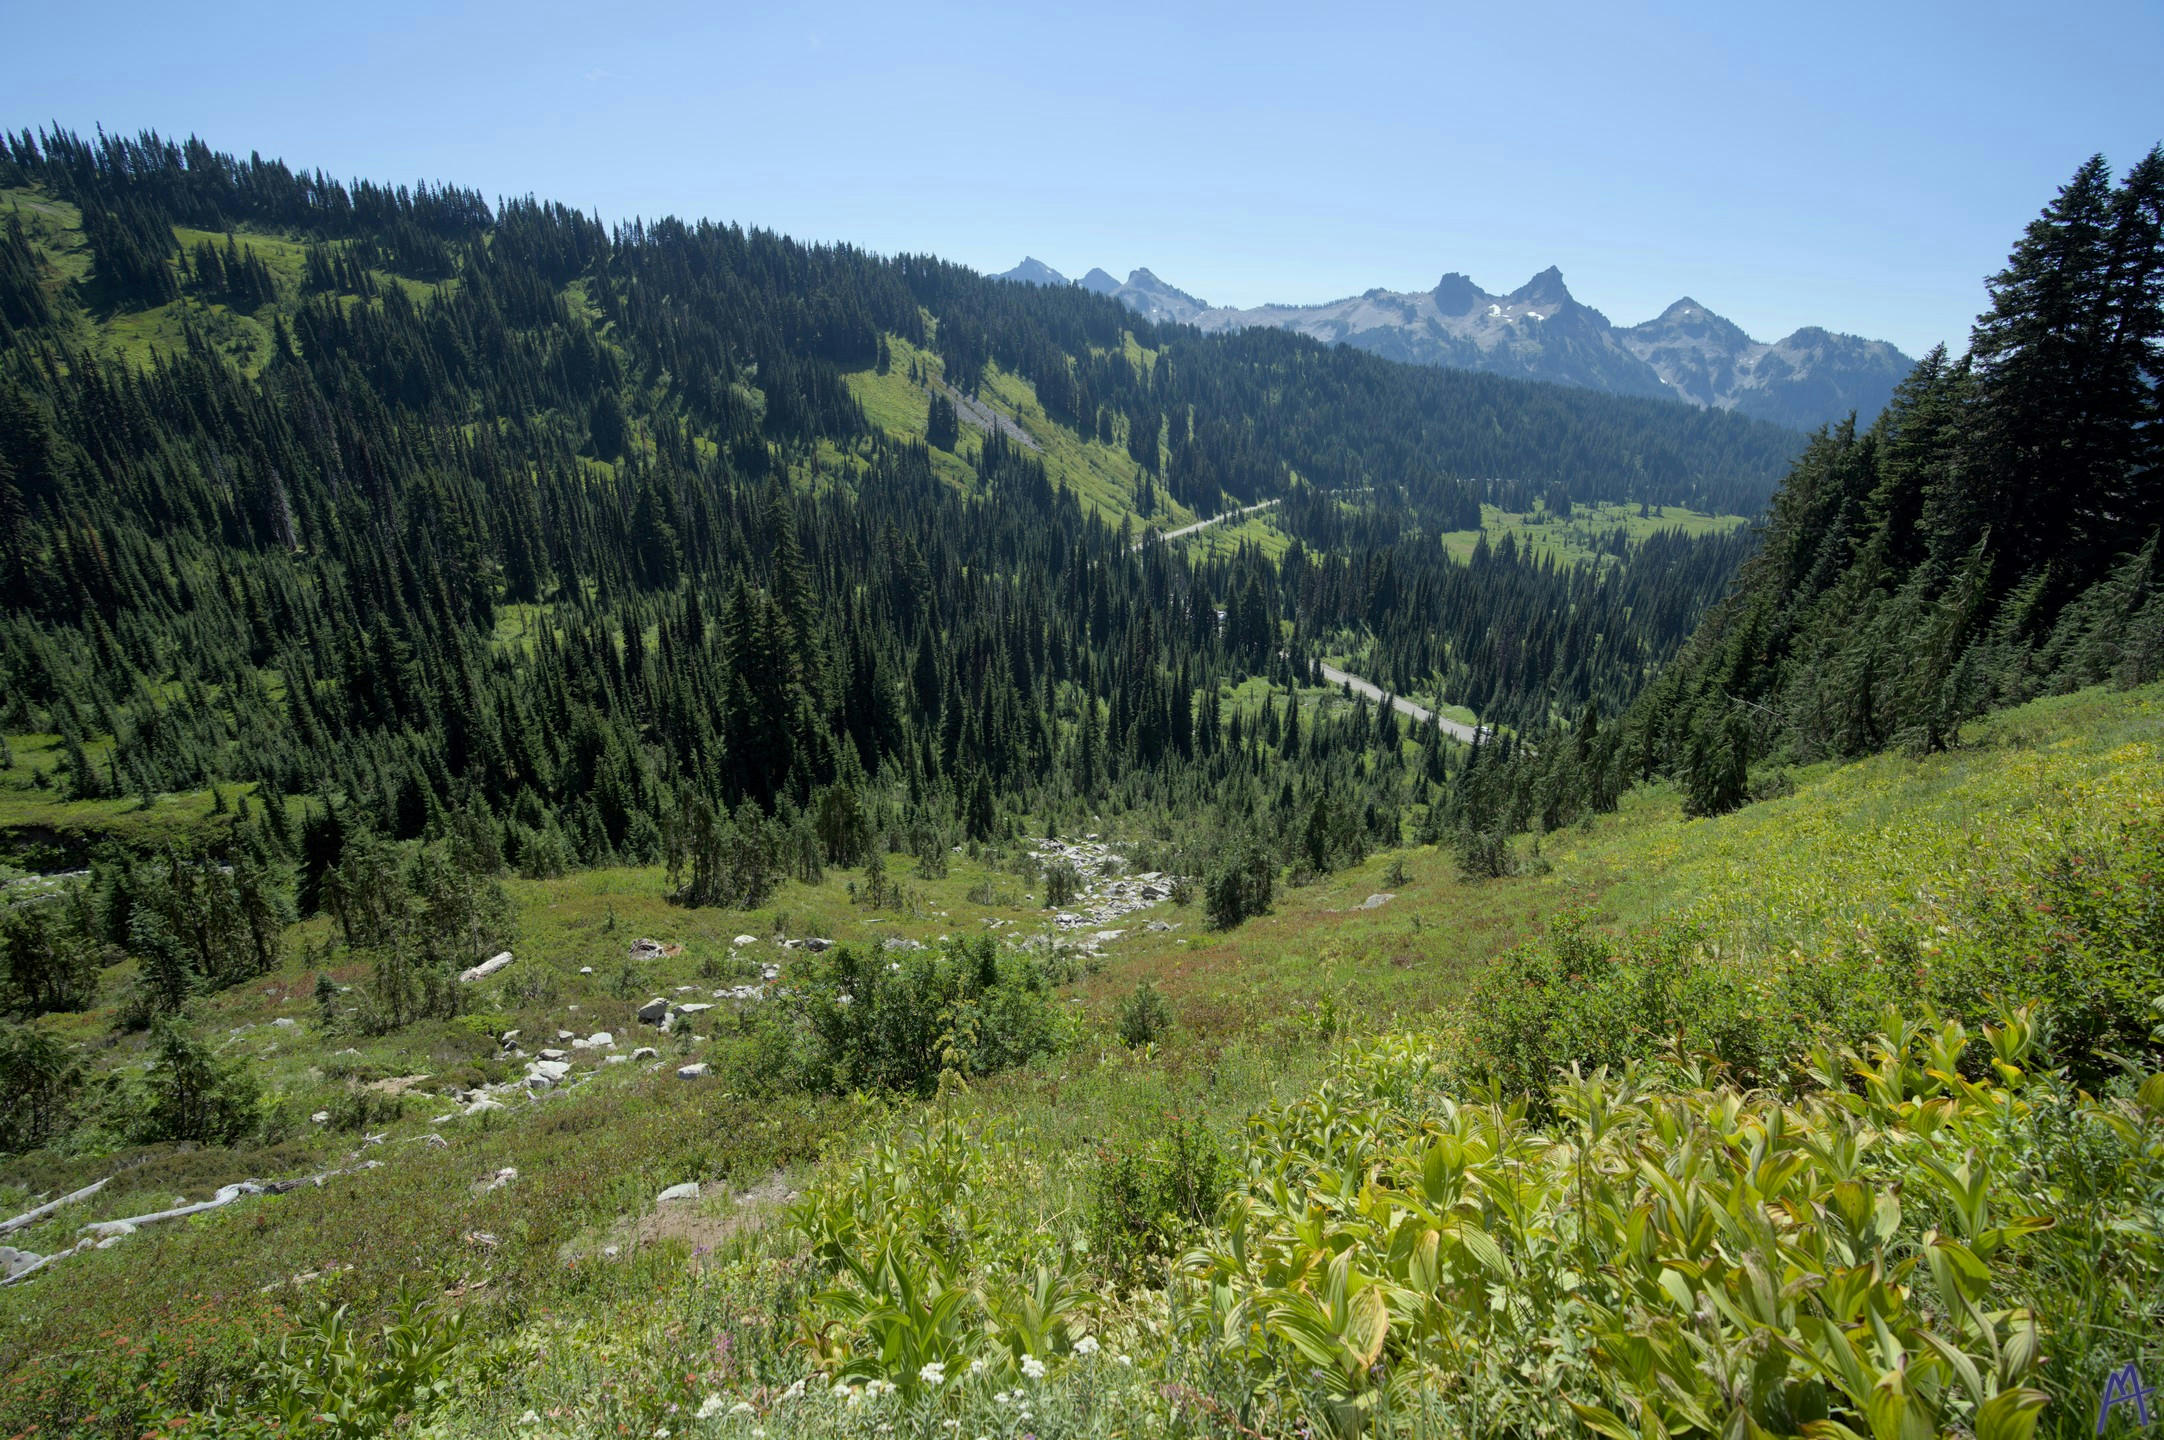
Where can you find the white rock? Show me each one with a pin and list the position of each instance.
(549, 1070)
(555, 1054)
(645, 1052)
(689, 1190)
(745, 940)
(321, 1117)
(691, 1072)
(483, 1105)
(285, 1022)
(616, 1059)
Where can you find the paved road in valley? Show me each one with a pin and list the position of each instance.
(1186, 530)
(1421, 715)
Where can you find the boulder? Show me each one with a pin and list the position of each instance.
(645, 1052)
(483, 1105)
(654, 1011)
(554, 1054)
(485, 969)
(689, 1190)
(1376, 902)
(600, 1040)
(549, 1070)
(15, 1261)
(691, 1072)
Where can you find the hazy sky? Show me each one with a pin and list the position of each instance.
(1858, 166)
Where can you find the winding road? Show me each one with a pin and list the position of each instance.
(1420, 714)
(1168, 536)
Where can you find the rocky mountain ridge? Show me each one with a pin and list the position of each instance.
(1541, 332)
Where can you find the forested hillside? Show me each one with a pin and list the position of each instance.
(408, 504)
(1991, 538)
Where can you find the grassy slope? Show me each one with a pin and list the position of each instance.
(1257, 1008)
(1578, 537)
(1102, 476)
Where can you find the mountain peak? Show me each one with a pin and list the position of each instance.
(1032, 271)
(1456, 294)
(1098, 282)
(1546, 288)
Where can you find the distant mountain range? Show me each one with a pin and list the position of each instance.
(1539, 332)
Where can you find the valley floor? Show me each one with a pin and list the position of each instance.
(597, 1310)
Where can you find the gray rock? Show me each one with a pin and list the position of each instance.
(483, 1105)
(745, 940)
(691, 1072)
(1376, 902)
(645, 1052)
(654, 1011)
(553, 1054)
(549, 1070)
(15, 1261)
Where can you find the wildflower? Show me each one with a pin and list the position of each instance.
(879, 1389)
(842, 1390)
(529, 1418)
(1032, 1367)
(794, 1392)
(741, 1407)
(933, 1373)
(976, 1366)
(1127, 1360)
(1087, 1345)
(708, 1408)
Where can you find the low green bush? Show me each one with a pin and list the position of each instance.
(1145, 1016)
(1150, 1200)
(851, 1020)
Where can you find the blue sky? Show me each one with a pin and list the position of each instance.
(1856, 166)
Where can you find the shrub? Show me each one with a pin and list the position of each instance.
(1888, 1253)
(39, 1082)
(1062, 882)
(1145, 1016)
(878, 1023)
(193, 1095)
(1485, 854)
(1574, 999)
(44, 964)
(1147, 1202)
(1244, 884)
(358, 1108)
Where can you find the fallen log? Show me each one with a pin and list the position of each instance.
(32, 1217)
(99, 1234)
